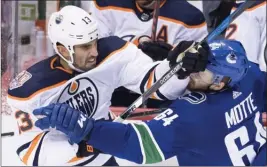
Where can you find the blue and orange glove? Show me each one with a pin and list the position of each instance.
(75, 124)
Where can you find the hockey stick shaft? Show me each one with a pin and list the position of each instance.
(147, 113)
(175, 68)
(155, 20)
(7, 134)
(226, 22)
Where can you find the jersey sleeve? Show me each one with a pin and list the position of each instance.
(140, 142)
(105, 27)
(47, 148)
(31, 89)
(26, 98)
(139, 73)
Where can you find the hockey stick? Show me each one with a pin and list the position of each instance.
(175, 68)
(265, 58)
(154, 25)
(147, 113)
(155, 20)
(7, 134)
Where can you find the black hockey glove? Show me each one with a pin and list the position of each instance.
(157, 50)
(86, 150)
(194, 60)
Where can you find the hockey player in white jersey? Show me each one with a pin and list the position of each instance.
(132, 21)
(250, 29)
(110, 62)
(216, 123)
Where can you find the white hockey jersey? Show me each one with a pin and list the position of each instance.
(120, 63)
(250, 29)
(178, 20)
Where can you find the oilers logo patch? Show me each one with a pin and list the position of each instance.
(81, 94)
(73, 87)
(20, 79)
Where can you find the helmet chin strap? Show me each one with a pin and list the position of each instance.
(74, 68)
(70, 63)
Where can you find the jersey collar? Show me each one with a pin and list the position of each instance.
(143, 14)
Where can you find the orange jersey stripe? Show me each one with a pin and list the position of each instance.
(160, 17)
(150, 83)
(61, 68)
(113, 7)
(33, 145)
(114, 52)
(74, 159)
(138, 7)
(182, 23)
(37, 92)
(150, 79)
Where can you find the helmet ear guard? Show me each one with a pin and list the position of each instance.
(71, 26)
(227, 59)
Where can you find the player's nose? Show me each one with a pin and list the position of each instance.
(94, 52)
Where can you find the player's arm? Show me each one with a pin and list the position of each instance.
(97, 9)
(139, 72)
(142, 142)
(22, 112)
(36, 147)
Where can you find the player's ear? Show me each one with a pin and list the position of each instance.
(217, 87)
(63, 51)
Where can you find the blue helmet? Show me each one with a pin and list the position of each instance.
(228, 59)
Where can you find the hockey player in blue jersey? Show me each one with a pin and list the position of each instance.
(218, 122)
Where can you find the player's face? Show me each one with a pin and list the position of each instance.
(200, 80)
(85, 56)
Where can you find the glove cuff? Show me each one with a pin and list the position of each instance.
(88, 130)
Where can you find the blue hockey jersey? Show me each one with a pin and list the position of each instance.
(222, 128)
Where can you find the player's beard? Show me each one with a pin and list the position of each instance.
(200, 81)
(86, 66)
(196, 86)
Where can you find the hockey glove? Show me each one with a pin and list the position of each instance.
(75, 124)
(157, 50)
(195, 60)
(86, 150)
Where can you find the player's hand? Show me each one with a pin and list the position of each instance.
(195, 60)
(75, 124)
(157, 50)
